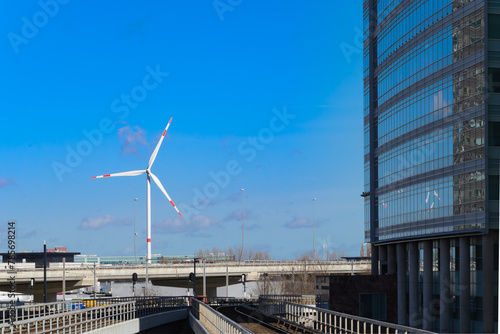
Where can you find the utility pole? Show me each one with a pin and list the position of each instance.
(204, 278)
(243, 229)
(194, 276)
(64, 279)
(314, 246)
(95, 282)
(135, 236)
(227, 280)
(44, 272)
(147, 277)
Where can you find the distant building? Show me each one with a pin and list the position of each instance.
(155, 258)
(57, 250)
(38, 257)
(432, 157)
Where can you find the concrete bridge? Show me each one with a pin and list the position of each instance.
(78, 275)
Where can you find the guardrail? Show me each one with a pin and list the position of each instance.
(228, 300)
(327, 321)
(144, 306)
(86, 314)
(77, 321)
(84, 266)
(213, 321)
(298, 299)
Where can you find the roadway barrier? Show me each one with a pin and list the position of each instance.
(77, 321)
(298, 299)
(213, 321)
(84, 315)
(327, 321)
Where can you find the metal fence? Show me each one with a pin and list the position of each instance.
(327, 321)
(213, 321)
(84, 315)
(76, 321)
(298, 299)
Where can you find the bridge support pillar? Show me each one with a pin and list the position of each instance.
(391, 259)
(428, 313)
(413, 285)
(464, 276)
(444, 285)
(375, 259)
(402, 281)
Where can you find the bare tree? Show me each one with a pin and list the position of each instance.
(362, 251)
(268, 285)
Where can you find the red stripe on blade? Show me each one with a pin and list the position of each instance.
(172, 203)
(164, 133)
(181, 215)
(108, 175)
(93, 177)
(149, 240)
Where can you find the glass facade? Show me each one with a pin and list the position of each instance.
(431, 75)
(425, 123)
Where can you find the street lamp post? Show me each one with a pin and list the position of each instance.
(243, 229)
(147, 276)
(194, 277)
(314, 246)
(135, 235)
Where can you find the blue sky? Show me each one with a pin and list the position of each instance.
(265, 96)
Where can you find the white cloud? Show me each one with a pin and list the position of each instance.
(194, 225)
(298, 222)
(90, 223)
(237, 215)
(6, 182)
(132, 137)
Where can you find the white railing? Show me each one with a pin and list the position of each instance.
(75, 321)
(82, 266)
(28, 311)
(213, 321)
(83, 315)
(327, 321)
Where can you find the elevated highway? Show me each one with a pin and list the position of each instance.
(78, 275)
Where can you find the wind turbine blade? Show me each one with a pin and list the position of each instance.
(131, 173)
(155, 152)
(158, 183)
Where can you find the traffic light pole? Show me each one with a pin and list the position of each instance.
(194, 278)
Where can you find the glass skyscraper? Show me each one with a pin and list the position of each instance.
(432, 157)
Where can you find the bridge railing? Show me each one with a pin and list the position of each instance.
(75, 321)
(148, 306)
(298, 299)
(143, 306)
(228, 300)
(215, 322)
(327, 321)
(27, 311)
(296, 263)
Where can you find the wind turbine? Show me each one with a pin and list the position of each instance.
(155, 179)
